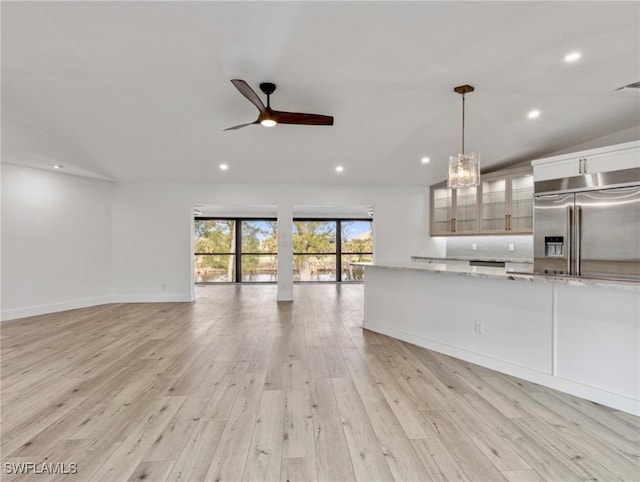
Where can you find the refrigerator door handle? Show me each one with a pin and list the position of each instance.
(578, 236)
(569, 243)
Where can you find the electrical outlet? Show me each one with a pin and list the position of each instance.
(512, 247)
(478, 327)
(474, 246)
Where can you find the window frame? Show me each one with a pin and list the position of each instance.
(338, 253)
(238, 248)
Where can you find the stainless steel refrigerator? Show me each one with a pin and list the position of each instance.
(588, 226)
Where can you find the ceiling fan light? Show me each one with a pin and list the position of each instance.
(268, 122)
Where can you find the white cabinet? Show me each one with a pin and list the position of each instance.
(603, 159)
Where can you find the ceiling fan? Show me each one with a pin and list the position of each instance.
(269, 117)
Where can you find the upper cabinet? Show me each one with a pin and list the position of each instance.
(453, 211)
(503, 204)
(603, 159)
(507, 202)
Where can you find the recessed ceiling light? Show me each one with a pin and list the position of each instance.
(58, 166)
(425, 160)
(572, 57)
(339, 168)
(224, 167)
(533, 114)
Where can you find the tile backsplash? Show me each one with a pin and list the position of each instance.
(490, 246)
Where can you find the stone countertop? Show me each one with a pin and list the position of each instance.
(502, 273)
(475, 258)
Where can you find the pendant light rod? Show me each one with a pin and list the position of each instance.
(463, 89)
(462, 151)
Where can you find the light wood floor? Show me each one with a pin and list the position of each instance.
(238, 387)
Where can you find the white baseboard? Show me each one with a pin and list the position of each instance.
(604, 397)
(27, 311)
(54, 307)
(154, 298)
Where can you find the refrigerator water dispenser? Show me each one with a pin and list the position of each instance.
(554, 246)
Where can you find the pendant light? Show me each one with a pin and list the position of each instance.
(464, 169)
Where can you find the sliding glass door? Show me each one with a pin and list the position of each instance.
(229, 250)
(235, 250)
(215, 250)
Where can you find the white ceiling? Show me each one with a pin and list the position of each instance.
(141, 91)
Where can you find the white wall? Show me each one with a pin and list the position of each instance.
(69, 241)
(152, 227)
(56, 241)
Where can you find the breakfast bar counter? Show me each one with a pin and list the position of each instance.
(580, 336)
(510, 274)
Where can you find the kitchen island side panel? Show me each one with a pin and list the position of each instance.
(444, 312)
(598, 338)
(571, 336)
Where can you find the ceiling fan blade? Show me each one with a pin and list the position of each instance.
(239, 126)
(249, 93)
(301, 118)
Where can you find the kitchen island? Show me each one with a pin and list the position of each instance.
(575, 335)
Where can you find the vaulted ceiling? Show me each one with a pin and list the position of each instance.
(141, 90)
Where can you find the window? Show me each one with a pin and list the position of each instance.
(259, 258)
(235, 250)
(357, 247)
(314, 250)
(214, 249)
(318, 256)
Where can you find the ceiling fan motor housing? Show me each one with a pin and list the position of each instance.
(268, 88)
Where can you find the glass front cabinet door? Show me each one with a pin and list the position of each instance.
(507, 202)
(494, 204)
(441, 210)
(465, 219)
(453, 211)
(521, 203)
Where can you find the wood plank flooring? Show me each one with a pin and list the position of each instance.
(238, 387)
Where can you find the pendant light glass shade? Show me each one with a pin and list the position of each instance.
(464, 169)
